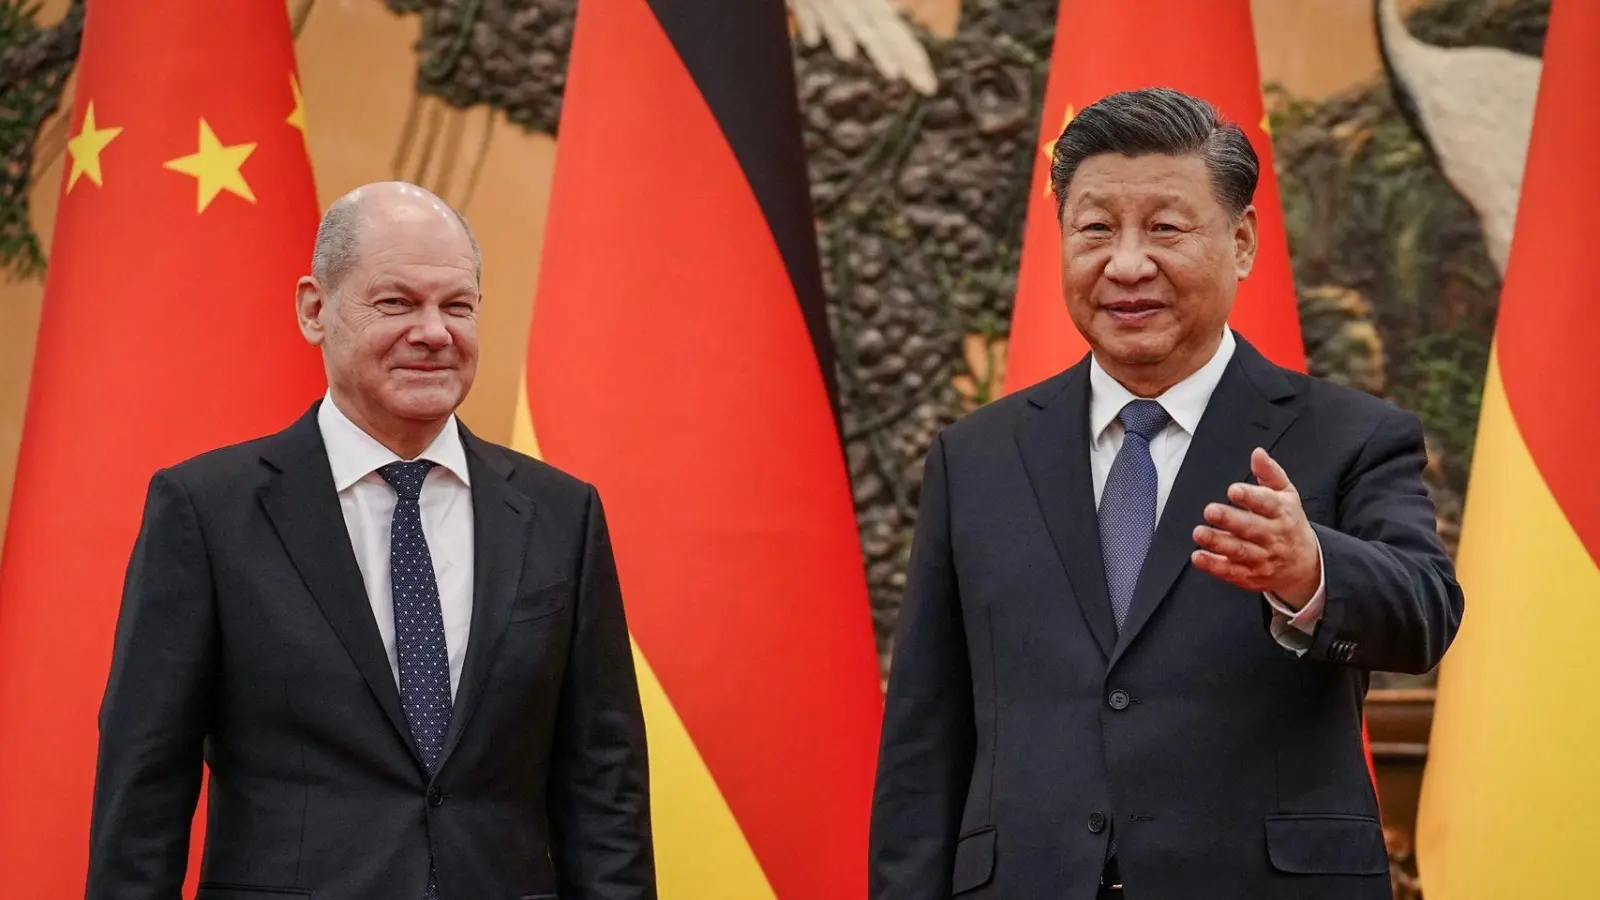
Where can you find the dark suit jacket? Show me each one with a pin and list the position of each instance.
(246, 638)
(1022, 729)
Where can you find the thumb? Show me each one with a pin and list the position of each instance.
(1268, 472)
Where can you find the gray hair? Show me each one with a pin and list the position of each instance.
(337, 248)
(1159, 121)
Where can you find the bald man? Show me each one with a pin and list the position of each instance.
(398, 649)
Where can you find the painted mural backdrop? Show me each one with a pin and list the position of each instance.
(1394, 192)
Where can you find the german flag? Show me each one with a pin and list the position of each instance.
(680, 361)
(1511, 796)
(187, 213)
(1204, 49)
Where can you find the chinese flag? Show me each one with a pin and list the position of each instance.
(679, 359)
(1204, 49)
(1511, 797)
(187, 213)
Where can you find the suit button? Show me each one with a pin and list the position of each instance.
(435, 797)
(1097, 823)
(1118, 699)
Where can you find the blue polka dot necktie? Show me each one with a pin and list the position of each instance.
(1128, 504)
(418, 623)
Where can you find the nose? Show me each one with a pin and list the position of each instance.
(1130, 261)
(430, 330)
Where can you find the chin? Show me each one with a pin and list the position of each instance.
(1136, 348)
(426, 404)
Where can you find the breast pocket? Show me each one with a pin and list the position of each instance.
(542, 603)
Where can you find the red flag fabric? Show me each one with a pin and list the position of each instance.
(1530, 539)
(680, 360)
(1205, 49)
(168, 329)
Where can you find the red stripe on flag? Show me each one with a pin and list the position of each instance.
(1546, 345)
(669, 363)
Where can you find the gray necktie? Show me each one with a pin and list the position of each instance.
(1128, 504)
(1128, 513)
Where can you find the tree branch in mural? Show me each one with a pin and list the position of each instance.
(299, 12)
(35, 63)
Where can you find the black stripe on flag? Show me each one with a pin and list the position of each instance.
(738, 53)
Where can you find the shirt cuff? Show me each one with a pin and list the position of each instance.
(1293, 629)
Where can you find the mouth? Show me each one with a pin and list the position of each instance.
(1134, 311)
(424, 367)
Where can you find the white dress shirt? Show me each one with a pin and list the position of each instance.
(368, 504)
(1185, 403)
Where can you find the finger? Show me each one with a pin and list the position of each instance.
(1268, 472)
(1259, 499)
(1237, 550)
(1221, 567)
(1240, 522)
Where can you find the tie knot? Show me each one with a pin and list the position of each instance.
(406, 477)
(1144, 418)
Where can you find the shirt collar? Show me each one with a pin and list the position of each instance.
(353, 454)
(1185, 401)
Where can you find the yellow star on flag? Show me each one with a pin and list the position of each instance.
(85, 149)
(1048, 148)
(297, 117)
(1266, 123)
(215, 167)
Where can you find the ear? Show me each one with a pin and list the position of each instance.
(1244, 243)
(310, 305)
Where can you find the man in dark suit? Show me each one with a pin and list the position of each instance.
(1146, 594)
(399, 649)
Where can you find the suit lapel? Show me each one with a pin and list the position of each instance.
(501, 517)
(1054, 442)
(304, 509)
(1243, 414)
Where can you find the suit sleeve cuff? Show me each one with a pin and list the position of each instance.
(1293, 629)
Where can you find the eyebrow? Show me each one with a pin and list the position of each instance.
(1163, 199)
(392, 286)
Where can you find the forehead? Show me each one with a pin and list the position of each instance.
(1109, 179)
(413, 230)
(408, 248)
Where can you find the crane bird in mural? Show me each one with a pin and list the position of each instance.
(1473, 107)
(874, 26)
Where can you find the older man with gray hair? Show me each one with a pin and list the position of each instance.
(399, 650)
(1146, 594)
